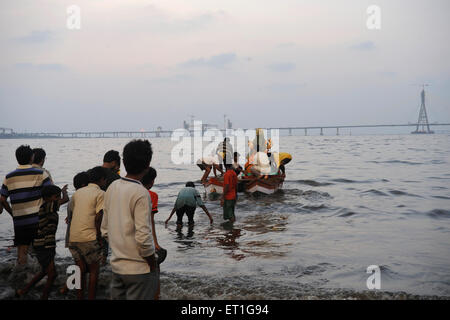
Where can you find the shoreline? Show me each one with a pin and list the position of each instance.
(192, 287)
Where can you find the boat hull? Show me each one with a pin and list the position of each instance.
(251, 185)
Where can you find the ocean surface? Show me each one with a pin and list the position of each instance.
(348, 202)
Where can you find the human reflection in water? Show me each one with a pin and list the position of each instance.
(180, 234)
(228, 240)
(185, 240)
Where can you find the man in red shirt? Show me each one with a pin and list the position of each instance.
(228, 201)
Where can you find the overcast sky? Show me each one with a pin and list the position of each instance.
(138, 64)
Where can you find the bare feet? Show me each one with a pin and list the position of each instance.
(63, 290)
(19, 293)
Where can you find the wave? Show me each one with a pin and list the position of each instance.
(402, 193)
(342, 180)
(312, 183)
(395, 162)
(315, 208)
(376, 192)
(439, 214)
(442, 197)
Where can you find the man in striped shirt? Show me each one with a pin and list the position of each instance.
(23, 187)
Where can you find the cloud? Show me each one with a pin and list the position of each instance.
(364, 46)
(162, 20)
(40, 67)
(35, 37)
(217, 61)
(282, 67)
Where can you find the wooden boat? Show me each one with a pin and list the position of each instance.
(214, 185)
(266, 184)
(262, 185)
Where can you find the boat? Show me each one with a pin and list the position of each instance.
(269, 185)
(266, 184)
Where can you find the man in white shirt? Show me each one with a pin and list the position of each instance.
(127, 226)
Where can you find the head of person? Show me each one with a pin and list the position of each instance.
(24, 155)
(236, 156)
(149, 178)
(228, 166)
(137, 155)
(51, 193)
(111, 160)
(190, 184)
(97, 175)
(39, 156)
(81, 180)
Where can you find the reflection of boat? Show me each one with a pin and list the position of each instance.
(247, 184)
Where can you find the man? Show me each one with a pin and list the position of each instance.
(187, 201)
(236, 166)
(225, 151)
(208, 163)
(23, 187)
(228, 200)
(127, 227)
(111, 161)
(39, 155)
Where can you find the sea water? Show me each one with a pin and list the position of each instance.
(348, 202)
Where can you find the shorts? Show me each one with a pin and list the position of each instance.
(90, 252)
(228, 209)
(189, 212)
(45, 256)
(25, 235)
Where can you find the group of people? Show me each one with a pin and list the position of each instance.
(107, 213)
(260, 161)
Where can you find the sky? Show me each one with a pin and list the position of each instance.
(138, 64)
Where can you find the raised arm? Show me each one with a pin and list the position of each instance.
(65, 197)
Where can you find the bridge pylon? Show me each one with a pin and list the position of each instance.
(423, 118)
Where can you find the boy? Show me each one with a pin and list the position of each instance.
(84, 235)
(39, 155)
(148, 180)
(228, 200)
(23, 187)
(45, 244)
(187, 201)
(127, 227)
(79, 181)
(111, 162)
